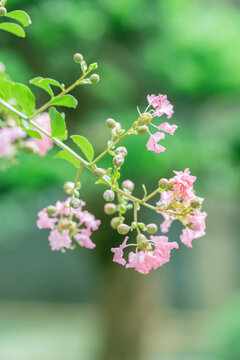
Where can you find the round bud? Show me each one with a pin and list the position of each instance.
(170, 184)
(118, 160)
(30, 147)
(78, 58)
(152, 228)
(195, 204)
(122, 208)
(142, 130)
(128, 185)
(121, 150)
(144, 118)
(110, 208)
(94, 78)
(123, 229)
(141, 239)
(163, 183)
(68, 187)
(111, 124)
(108, 195)
(51, 210)
(115, 222)
(98, 172)
(75, 203)
(3, 11)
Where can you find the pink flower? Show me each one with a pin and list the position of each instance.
(118, 253)
(196, 230)
(45, 144)
(152, 143)
(58, 241)
(166, 197)
(161, 104)
(44, 221)
(168, 128)
(88, 219)
(183, 182)
(84, 240)
(7, 138)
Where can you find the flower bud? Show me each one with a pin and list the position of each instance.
(122, 208)
(94, 78)
(110, 208)
(142, 130)
(128, 185)
(75, 203)
(51, 210)
(123, 229)
(141, 239)
(68, 187)
(170, 184)
(3, 11)
(163, 183)
(152, 228)
(30, 147)
(144, 118)
(98, 172)
(63, 223)
(115, 222)
(108, 195)
(111, 124)
(195, 204)
(118, 160)
(121, 150)
(78, 58)
(93, 66)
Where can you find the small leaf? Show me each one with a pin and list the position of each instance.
(64, 155)
(13, 28)
(65, 100)
(27, 128)
(44, 83)
(24, 97)
(84, 145)
(58, 125)
(20, 16)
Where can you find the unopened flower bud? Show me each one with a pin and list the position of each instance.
(195, 204)
(121, 150)
(108, 195)
(123, 229)
(68, 187)
(115, 222)
(122, 208)
(118, 160)
(110, 208)
(30, 147)
(144, 118)
(128, 185)
(141, 239)
(75, 203)
(51, 210)
(163, 183)
(93, 66)
(94, 78)
(3, 11)
(142, 130)
(111, 124)
(152, 228)
(98, 172)
(78, 58)
(170, 184)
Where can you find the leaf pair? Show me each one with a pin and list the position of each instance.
(22, 17)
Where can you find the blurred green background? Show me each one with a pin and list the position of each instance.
(80, 305)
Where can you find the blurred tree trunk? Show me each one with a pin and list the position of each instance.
(128, 300)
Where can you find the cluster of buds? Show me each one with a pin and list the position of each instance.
(68, 221)
(94, 78)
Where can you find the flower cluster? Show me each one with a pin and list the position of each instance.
(67, 223)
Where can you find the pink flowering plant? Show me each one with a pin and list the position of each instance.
(23, 126)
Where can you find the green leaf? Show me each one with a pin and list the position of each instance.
(44, 83)
(13, 28)
(58, 125)
(5, 86)
(84, 145)
(65, 100)
(24, 97)
(69, 157)
(27, 128)
(20, 16)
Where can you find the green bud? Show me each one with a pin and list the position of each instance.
(141, 225)
(141, 239)
(115, 222)
(118, 160)
(152, 228)
(170, 184)
(98, 172)
(78, 58)
(144, 119)
(111, 124)
(51, 210)
(129, 206)
(121, 150)
(108, 195)
(196, 203)
(3, 11)
(94, 78)
(68, 187)
(128, 185)
(93, 66)
(75, 203)
(123, 229)
(110, 208)
(79, 185)
(134, 225)
(142, 130)
(163, 183)
(122, 208)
